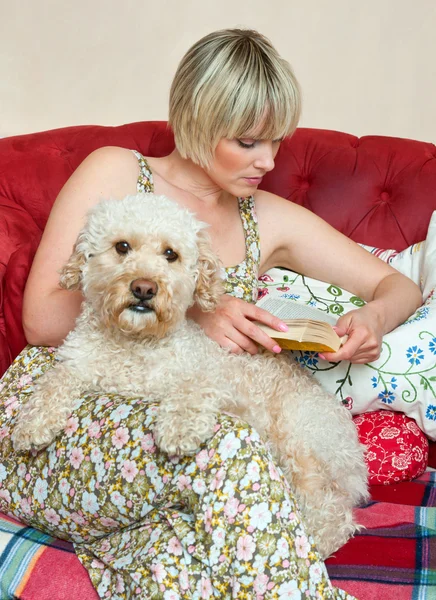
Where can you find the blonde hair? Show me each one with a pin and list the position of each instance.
(229, 84)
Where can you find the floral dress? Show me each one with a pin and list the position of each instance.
(220, 524)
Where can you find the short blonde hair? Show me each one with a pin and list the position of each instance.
(230, 83)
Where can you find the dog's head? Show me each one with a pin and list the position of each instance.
(141, 262)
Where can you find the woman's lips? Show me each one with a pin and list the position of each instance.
(253, 180)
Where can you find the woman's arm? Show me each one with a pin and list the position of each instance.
(49, 312)
(295, 238)
(303, 242)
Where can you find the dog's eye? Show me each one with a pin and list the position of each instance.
(170, 255)
(122, 247)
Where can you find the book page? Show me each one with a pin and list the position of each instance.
(287, 309)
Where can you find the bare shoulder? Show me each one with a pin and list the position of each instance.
(111, 153)
(112, 166)
(279, 220)
(268, 203)
(280, 217)
(108, 172)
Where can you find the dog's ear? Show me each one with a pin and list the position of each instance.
(71, 273)
(209, 286)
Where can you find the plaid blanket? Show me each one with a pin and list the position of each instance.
(36, 566)
(394, 557)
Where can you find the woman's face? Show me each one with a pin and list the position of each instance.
(239, 164)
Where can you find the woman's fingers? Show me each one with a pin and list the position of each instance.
(357, 349)
(237, 320)
(238, 343)
(255, 313)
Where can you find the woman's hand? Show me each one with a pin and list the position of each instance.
(231, 325)
(365, 333)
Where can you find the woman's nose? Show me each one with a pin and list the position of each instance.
(265, 159)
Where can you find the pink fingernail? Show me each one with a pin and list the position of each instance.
(283, 327)
(277, 349)
(321, 356)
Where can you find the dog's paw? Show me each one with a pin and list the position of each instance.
(28, 435)
(183, 439)
(175, 442)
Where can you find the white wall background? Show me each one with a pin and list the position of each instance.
(365, 67)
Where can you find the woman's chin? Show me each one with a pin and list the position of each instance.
(243, 191)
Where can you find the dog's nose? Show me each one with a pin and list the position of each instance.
(143, 289)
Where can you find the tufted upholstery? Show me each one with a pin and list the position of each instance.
(377, 190)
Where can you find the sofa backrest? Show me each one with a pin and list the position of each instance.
(377, 190)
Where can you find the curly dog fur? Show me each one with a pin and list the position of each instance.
(141, 262)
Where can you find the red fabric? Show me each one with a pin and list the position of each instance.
(432, 455)
(364, 187)
(58, 576)
(396, 449)
(15, 280)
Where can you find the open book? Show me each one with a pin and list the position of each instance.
(308, 328)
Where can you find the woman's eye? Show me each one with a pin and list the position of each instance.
(246, 144)
(170, 255)
(122, 247)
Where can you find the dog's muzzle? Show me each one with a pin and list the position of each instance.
(144, 291)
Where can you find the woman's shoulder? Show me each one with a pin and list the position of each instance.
(110, 154)
(270, 204)
(108, 169)
(282, 223)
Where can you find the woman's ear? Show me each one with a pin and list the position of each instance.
(209, 287)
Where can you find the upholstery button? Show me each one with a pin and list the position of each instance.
(385, 197)
(304, 185)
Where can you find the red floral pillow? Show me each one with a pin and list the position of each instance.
(396, 449)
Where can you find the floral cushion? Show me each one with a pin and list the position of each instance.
(404, 377)
(397, 450)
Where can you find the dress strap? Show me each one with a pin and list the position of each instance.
(247, 210)
(241, 280)
(145, 179)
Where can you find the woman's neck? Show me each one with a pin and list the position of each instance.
(191, 178)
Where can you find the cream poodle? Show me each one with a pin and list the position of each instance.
(141, 263)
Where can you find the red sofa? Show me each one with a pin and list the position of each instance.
(377, 190)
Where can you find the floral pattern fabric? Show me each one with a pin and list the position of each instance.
(396, 449)
(220, 524)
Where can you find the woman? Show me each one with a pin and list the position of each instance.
(222, 523)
